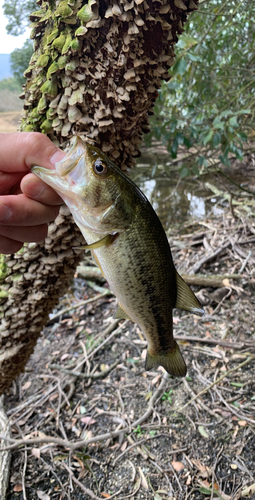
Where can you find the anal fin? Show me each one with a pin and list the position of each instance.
(121, 314)
(186, 299)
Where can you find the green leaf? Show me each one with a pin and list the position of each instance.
(236, 404)
(205, 491)
(173, 85)
(179, 67)
(193, 57)
(153, 171)
(233, 121)
(203, 432)
(207, 138)
(185, 172)
(218, 124)
(202, 161)
(195, 169)
(216, 139)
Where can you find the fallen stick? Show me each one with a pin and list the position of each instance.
(204, 280)
(223, 343)
(210, 257)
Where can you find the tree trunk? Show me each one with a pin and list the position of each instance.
(95, 72)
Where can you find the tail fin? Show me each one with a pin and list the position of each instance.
(172, 361)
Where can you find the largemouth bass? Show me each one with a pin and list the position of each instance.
(129, 245)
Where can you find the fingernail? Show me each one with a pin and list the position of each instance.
(58, 156)
(34, 188)
(5, 212)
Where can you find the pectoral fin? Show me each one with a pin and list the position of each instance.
(106, 240)
(121, 314)
(186, 299)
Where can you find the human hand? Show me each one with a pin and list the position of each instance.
(27, 204)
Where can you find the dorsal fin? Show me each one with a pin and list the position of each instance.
(186, 299)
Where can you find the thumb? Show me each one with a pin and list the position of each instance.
(19, 151)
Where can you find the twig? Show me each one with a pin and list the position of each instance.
(138, 443)
(223, 343)
(86, 442)
(200, 402)
(93, 376)
(107, 340)
(135, 490)
(69, 395)
(209, 257)
(245, 262)
(233, 410)
(80, 304)
(83, 488)
(216, 382)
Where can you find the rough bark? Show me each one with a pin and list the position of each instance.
(95, 72)
(5, 456)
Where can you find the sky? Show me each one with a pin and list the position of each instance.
(8, 42)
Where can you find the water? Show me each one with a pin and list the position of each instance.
(176, 200)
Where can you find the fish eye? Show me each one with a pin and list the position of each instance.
(100, 168)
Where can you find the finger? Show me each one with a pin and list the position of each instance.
(9, 182)
(24, 234)
(8, 246)
(34, 188)
(18, 210)
(18, 152)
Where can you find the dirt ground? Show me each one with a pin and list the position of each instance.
(9, 121)
(96, 425)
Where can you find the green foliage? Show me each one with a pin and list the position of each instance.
(20, 60)
(167, 396)
(10, 84)
(17, 12)
(138, 431)
(208, 104)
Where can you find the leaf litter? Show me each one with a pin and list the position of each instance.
(89, 422)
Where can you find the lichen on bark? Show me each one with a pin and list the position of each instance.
(95, 72)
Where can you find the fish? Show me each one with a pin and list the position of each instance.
(130, 246)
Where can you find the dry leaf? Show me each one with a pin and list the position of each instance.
(188, 482)
(80, 462)
(242, 423)
(248, 490)
(176, 320)
(18, 487)
(88, 420)
(64, 356)
(144, 354)
(123, 446)
(156, 379)
(36, 452)
(42, 495)
(53, 396)
(203, 432)
(26, 385)
(143, 479)
(178, 466)
(105, 495)
(86, 435)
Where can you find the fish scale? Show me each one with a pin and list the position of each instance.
(130, 246)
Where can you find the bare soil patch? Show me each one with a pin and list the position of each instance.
(9, 121)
